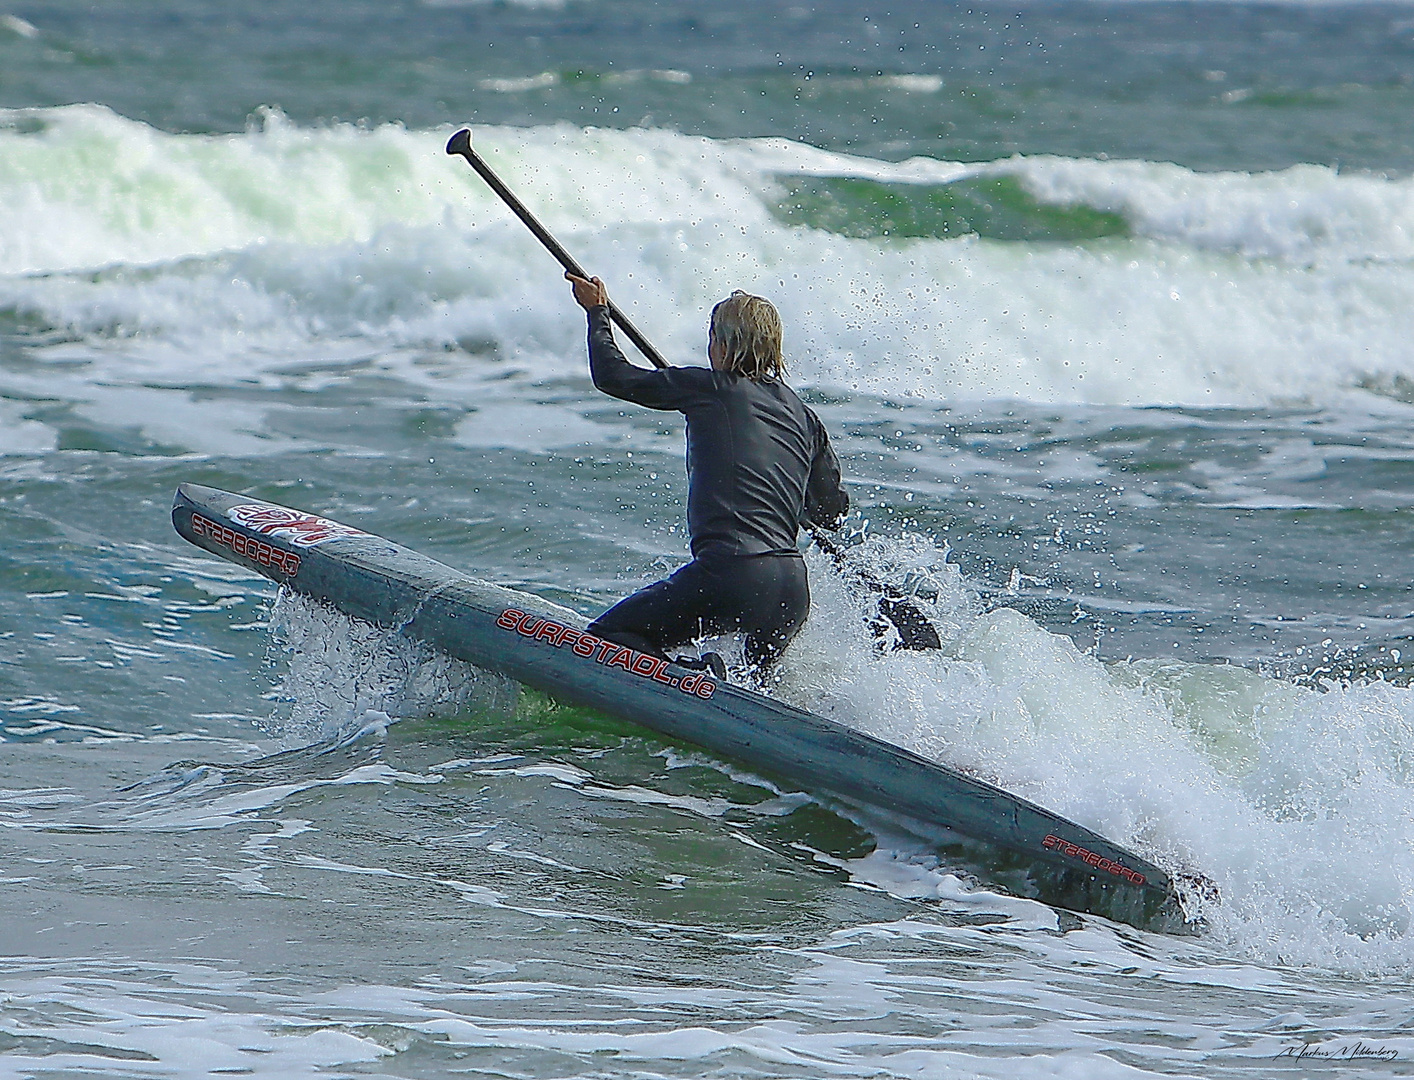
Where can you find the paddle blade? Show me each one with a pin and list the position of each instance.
(915, 632)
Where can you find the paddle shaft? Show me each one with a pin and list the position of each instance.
(460, 145)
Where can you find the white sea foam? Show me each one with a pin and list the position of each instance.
(230, 257)
(518, 85)
(1307, 214)
(340, 671)
(1298, 804)
(1006, 1003)
(18, 26)
(913, 84)
(21, 436)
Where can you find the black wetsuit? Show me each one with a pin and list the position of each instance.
(759, 464)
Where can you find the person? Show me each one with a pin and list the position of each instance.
(759, 465)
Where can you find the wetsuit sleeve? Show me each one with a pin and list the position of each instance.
(656, 388)
(826, 501)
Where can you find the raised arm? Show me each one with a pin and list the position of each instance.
(612, 373)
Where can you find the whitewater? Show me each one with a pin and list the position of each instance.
(1124, 401)
(1225, 289)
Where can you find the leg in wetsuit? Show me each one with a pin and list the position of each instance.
(765, 597)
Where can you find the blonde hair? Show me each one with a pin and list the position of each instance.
(748, 330)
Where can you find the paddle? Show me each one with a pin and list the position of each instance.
(460, 144)
(914, 630)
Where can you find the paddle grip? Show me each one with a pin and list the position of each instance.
(460, 145)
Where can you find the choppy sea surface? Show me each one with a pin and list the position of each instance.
(1109, 309)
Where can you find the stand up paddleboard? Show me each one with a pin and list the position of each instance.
(545, 646)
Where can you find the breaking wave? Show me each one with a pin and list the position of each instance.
(1040, 279)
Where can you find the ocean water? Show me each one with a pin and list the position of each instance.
(1108, 308)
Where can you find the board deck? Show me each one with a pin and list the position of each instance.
(545, 646)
